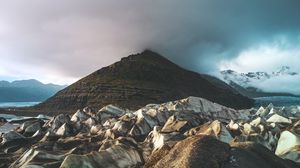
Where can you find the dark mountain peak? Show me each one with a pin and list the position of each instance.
(140, 79)
(146, 54)
(147, 57)
(146, 66)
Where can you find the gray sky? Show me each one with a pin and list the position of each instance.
(61, 41)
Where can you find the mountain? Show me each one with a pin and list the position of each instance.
(26, 91)
(138, 80)
(245, 83)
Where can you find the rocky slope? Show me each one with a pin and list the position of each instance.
(191, 132)
(138, 80)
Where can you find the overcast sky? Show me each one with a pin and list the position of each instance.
(62, 41)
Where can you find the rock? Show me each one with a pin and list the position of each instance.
(262, 112)
(294, 112)
(206, 108)
(257, 121)
(233, 126)
(33, 158)
(95, 129)
(27, 123)
(195, 151)
(158, 139)
(251, 155)
(31, 129)
(274, 128)
(157, 112)
(215, 128)
(37, 133)
(295, 128)
(143, 125)
(10, 136)
(68, 143)
(185, 133)
(267, 140)
(108, 112)
(48, 142)
(202, 108)
(274, 111)
(289, 146)
(90, 122)
(173, 125)
(182, 121)
(119, 155)
(248, 129)
(279, 119)
(89, 111)
(80, 127)
(112, 110)
(123, 127)
(270, 106)
(58, 121)
(65, 130)
(79, 116)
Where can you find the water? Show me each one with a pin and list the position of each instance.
(8, 127)
(278, 101)
(10, 116)
(17, 104)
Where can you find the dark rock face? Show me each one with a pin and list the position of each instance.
(138, 80)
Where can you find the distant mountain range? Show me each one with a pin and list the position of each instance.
(27, 91)
(141, 79)
(245, 83)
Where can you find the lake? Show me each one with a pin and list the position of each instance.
(278, 101)
(17, 104)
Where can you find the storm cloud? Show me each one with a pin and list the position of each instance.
(61, 41)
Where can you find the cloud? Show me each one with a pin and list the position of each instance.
(286, 84)
(266, 57)
(69, 39)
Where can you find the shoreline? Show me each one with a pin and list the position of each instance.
(30, 112)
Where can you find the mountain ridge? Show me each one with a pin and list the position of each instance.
(246, 79)
(142, 78)
(26, 90)
(245, 83)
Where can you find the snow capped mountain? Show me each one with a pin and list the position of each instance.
(250, 79)
(263, 84)
(285, 70)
